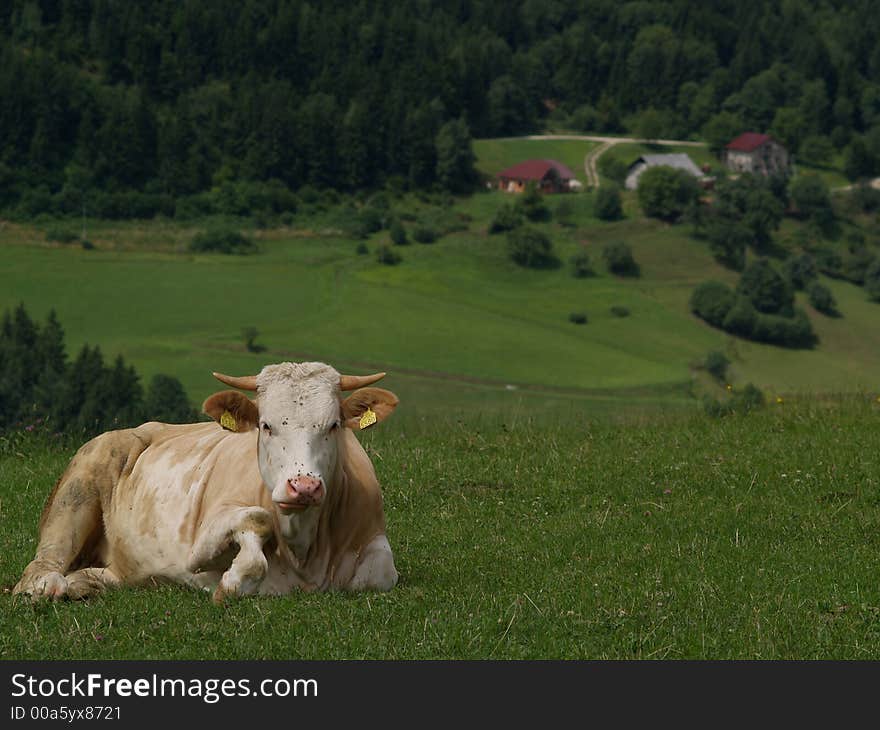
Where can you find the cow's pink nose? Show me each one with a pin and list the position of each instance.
(305, 486)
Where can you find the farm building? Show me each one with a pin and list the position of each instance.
(549, 176)
(758, 154)
(678, 160)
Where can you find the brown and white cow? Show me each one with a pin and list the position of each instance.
(277, 494)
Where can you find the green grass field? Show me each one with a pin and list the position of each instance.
(747, 537)
(495, 155)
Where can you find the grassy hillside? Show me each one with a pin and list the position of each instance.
(495, 155)
(747, 537)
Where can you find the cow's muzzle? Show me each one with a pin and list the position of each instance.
(301, 492)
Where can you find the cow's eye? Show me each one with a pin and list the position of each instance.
(333, 427)
(267, 429)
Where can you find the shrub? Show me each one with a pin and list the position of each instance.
(577, 318)
(398, 234)
(607, 204)
(872, 280)
(741, 318)
(531, 248)
(387, 255)
(743, 401)
(506, 218)
(619, 259)
(666, 193)
(222, 241)
(767, 290)
(619, 311)
(424, 234)
(822, 299)
(800, 270)
(795, 331)
(61, 235)
(531, 204)
(87, 245)
(711, 301)
(581, 266)
(361, 248)
(250, 334)
(612, 168)
(716, 364)
(728, 242)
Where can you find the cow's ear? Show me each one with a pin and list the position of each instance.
(367, 406)
(232, 410)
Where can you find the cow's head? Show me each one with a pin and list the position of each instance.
(300, 415)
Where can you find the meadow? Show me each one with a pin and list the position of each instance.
(552, 489)
(686, 537)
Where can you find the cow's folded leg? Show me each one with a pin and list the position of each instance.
(88, 581)
(246, 530)
(247, 570)
(375, 570)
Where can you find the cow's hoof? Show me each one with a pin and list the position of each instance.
(47, 586)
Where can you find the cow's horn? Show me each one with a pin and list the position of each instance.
(352, 382)
(246, 382)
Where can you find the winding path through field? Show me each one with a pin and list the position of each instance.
(605, 144)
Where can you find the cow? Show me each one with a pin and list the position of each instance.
(273, 495)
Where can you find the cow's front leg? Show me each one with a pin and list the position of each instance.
(241, 531)
(375, 569)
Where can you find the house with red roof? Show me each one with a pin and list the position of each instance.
(758, 154)
(549, 176)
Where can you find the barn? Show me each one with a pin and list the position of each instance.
(549, 176)
(758, 154)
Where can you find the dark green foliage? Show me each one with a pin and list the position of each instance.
(666, 192)
(728, 242)
(361, 249)
(612, 168)
(741, 402)
(577, 318)
(741, 318)
(581, 266)
(506, 218)
(620, 311)
(795, 331)
(529, 247)
(872, 280)
(250, 334)
(746, 212)
(424, 233)
(822, 299)
(716, 364)
(397, 233)
(531, 204)
(711, 301)
(800, 270)
(166, 401)
(607, 203)
(40, 389)
(87, 245)
(61, 235)
(455, 157)
(385, 254)
(767, 290)
(619, 259)
(810, 195)
(222, 241)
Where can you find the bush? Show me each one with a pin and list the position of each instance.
(387, 255)
(741, 318)
(809, 193)
(793, 331)
(531, 248)
(728, 242)
(581, 266)
(250, 334)
(716, 364)
(607, 204)
(743, 401)
(398, 234)
(619, 311)
(711, 301)
(87, 245)
(424, 234)
(872, 280)
(222, 241)
(506, 218)
(531, 204)
(619, 259)
(577, 318)
(666, 192)
(612, 168)
(767, 290)
(61, 235)
(361, 249)
(800, 270)
(822, 299)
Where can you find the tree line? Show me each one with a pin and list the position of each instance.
(40, 388)
(158, 100)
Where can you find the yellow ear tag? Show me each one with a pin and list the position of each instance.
(227, 420)
(368, 419)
